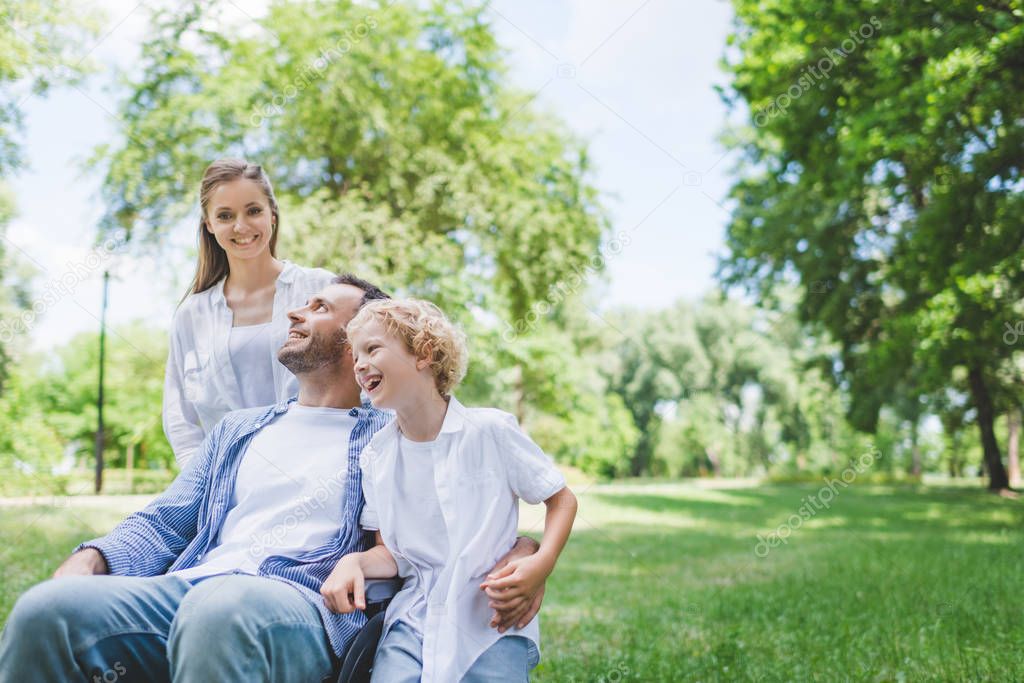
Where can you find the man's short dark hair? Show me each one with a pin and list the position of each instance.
(370, 290)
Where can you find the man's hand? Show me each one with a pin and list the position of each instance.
(344, 590)
(85, 562)
(516, 586)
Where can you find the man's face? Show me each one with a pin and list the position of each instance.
(317, 334)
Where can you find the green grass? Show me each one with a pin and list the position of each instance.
(660, 582)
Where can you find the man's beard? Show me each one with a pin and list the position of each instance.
(316, 353)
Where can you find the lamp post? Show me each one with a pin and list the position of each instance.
(99, 394)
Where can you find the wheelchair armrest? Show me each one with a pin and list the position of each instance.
(382, 590)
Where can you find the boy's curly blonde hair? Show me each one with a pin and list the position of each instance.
(426, 331)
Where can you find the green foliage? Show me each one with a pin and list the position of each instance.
(41, 45)
(30, 443)
(132, 395)
(50, 403)
(722, 388)
(883, 172)
(554, 386)
(398, 152)
(389, 131)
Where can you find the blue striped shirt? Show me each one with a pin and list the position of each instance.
(179, 526)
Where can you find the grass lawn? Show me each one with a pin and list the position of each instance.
(661, 582)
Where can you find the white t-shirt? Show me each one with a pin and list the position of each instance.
(414, 470)
(475, 472)
(249, 346)
(289, 492)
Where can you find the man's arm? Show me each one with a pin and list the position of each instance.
(521, 579)
(85, 562)
(517, 611)
(148, 541)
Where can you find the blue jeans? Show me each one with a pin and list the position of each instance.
(400, 659)
(116, 629)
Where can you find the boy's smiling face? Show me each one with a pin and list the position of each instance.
(384, 366)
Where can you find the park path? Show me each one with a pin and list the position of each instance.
(130, 502)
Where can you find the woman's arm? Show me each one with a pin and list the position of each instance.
(180, 419)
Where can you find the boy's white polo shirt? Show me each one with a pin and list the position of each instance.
(479, 466)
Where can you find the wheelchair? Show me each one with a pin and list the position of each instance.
(357, 664)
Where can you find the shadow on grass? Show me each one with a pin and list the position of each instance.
(897, 584)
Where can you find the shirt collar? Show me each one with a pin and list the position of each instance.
(289, 273)
(283, 406)
(454, 421)
(364, 411)
(454, 418)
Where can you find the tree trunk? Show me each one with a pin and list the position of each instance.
(716, 463)
(641, 460)
(520, 396)
(956, 465)
(915, 451)
(129, 466)
(1013, 446)
(997, 479)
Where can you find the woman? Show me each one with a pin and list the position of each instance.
(232, 321)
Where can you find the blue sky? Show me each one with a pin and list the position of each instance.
(634, 78)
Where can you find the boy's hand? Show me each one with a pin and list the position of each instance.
(344, 590)
(516, 591)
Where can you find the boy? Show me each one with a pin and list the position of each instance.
(442, 484)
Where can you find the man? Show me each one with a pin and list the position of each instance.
(219, 578)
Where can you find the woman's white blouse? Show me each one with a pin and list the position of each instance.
(479, 467)
(200, 385)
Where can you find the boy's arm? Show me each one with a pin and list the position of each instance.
(521, 579)
(377, 562)
(345, 589)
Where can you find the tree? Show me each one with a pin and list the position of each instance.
(40, 47)
(883, 172)
(551, 380)
(397, 151)
(30, 444)
(390, 134)
(653, 357)
(66, 389)
(721, 387)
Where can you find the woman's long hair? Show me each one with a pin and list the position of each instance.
(213, 260)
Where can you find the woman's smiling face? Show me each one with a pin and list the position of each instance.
(384, 366)
(240, 218)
